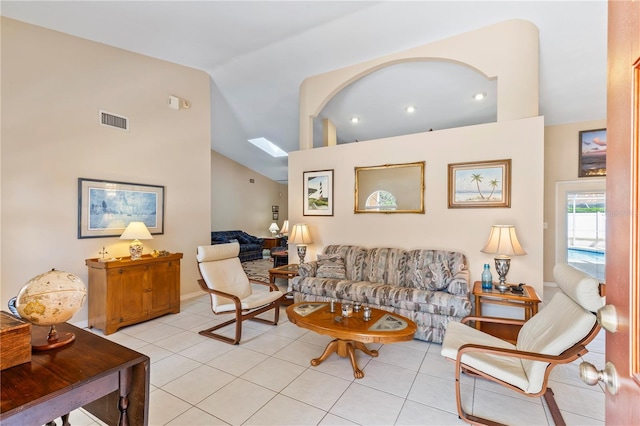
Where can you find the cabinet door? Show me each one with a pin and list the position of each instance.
(164, 281)
(127, 287)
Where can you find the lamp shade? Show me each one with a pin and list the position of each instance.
(273, 227)
(285, 227)
(136, 231)
(300, 234)
(503, 241)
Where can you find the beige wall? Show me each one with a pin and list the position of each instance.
(507, 51)
(464, 230)
(53, 85)
(236, 203)
(560, 172)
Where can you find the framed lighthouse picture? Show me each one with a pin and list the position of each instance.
(318, 193)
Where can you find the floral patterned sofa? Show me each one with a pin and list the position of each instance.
(431, 287)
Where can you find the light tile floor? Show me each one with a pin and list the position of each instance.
(267, 380)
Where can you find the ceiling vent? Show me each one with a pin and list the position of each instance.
(112, 120)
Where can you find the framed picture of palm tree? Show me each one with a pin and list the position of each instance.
(480, 184)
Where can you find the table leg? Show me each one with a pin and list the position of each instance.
(331, 348)
(346, 348)
(123, 402)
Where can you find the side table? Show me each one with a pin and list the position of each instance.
(270, 242)
(528, 301)
(285, 272)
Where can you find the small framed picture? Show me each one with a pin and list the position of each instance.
(592, 157)
(318, 193)
(275, 209)
(480, 184)
(274, 215)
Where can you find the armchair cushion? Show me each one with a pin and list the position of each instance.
(582, 288)
(559, 326)
(507, 369)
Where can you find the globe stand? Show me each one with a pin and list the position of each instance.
(54, 340)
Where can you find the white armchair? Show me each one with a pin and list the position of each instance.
(558, 334)
(226, 282)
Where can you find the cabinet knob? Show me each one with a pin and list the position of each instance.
(120, 271)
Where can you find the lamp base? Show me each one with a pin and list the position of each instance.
(302, 251)
(502, 268)
(135, 249)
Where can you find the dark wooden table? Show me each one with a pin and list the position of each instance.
(107, 379)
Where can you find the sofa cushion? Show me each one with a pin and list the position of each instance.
(331, 266)
(380, 294)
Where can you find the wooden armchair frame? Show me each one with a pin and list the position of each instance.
(240, 314)
(568, 356)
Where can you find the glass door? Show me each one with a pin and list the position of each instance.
(586, 231)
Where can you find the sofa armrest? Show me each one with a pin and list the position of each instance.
(308, 269)
(459, 284)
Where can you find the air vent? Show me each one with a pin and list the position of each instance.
(112, 120)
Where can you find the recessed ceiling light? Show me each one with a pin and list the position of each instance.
(479, 96)
(355, 119)
(269, 147)
(410, 108)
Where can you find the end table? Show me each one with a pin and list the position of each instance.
(528, 301)
(286, 272)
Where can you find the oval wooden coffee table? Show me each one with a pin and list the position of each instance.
(352, 332)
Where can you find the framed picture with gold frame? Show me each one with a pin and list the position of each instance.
(480, 184)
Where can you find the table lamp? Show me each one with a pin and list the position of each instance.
(300, 236)
(274, 229)
(136, 231)
(503, 242)
(285, 228)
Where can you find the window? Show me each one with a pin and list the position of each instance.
(381, 200)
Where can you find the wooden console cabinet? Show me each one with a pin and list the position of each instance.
(124, 292)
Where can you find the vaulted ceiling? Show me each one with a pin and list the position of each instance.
(258, 53)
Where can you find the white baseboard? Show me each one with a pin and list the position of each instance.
(191, 295)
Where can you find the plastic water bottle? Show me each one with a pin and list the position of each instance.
(487, 279)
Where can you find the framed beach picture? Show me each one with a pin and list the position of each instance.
(592, 160)
(480, 184)
(318, 193)
(105, 208)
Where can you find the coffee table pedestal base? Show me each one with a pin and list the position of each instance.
(345, 348)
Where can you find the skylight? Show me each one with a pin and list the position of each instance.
(269, 147)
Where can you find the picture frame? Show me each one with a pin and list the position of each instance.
(317, 193)
(480, 184)
(592, 153)
(274, 216)
(105, 208)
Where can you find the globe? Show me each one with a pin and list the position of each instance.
(51, 298)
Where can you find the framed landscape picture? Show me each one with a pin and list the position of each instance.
(318, 193)
(592, 157)
(105, 208)
(480, 184)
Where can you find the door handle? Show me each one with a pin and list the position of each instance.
(607, 317)
(609, 376)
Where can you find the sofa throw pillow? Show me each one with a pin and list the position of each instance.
(331, 266)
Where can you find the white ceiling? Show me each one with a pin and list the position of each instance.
(258, 53)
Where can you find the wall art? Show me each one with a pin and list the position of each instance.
(105, 208)
(592, 157)
(480, 184)
(318, 193)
